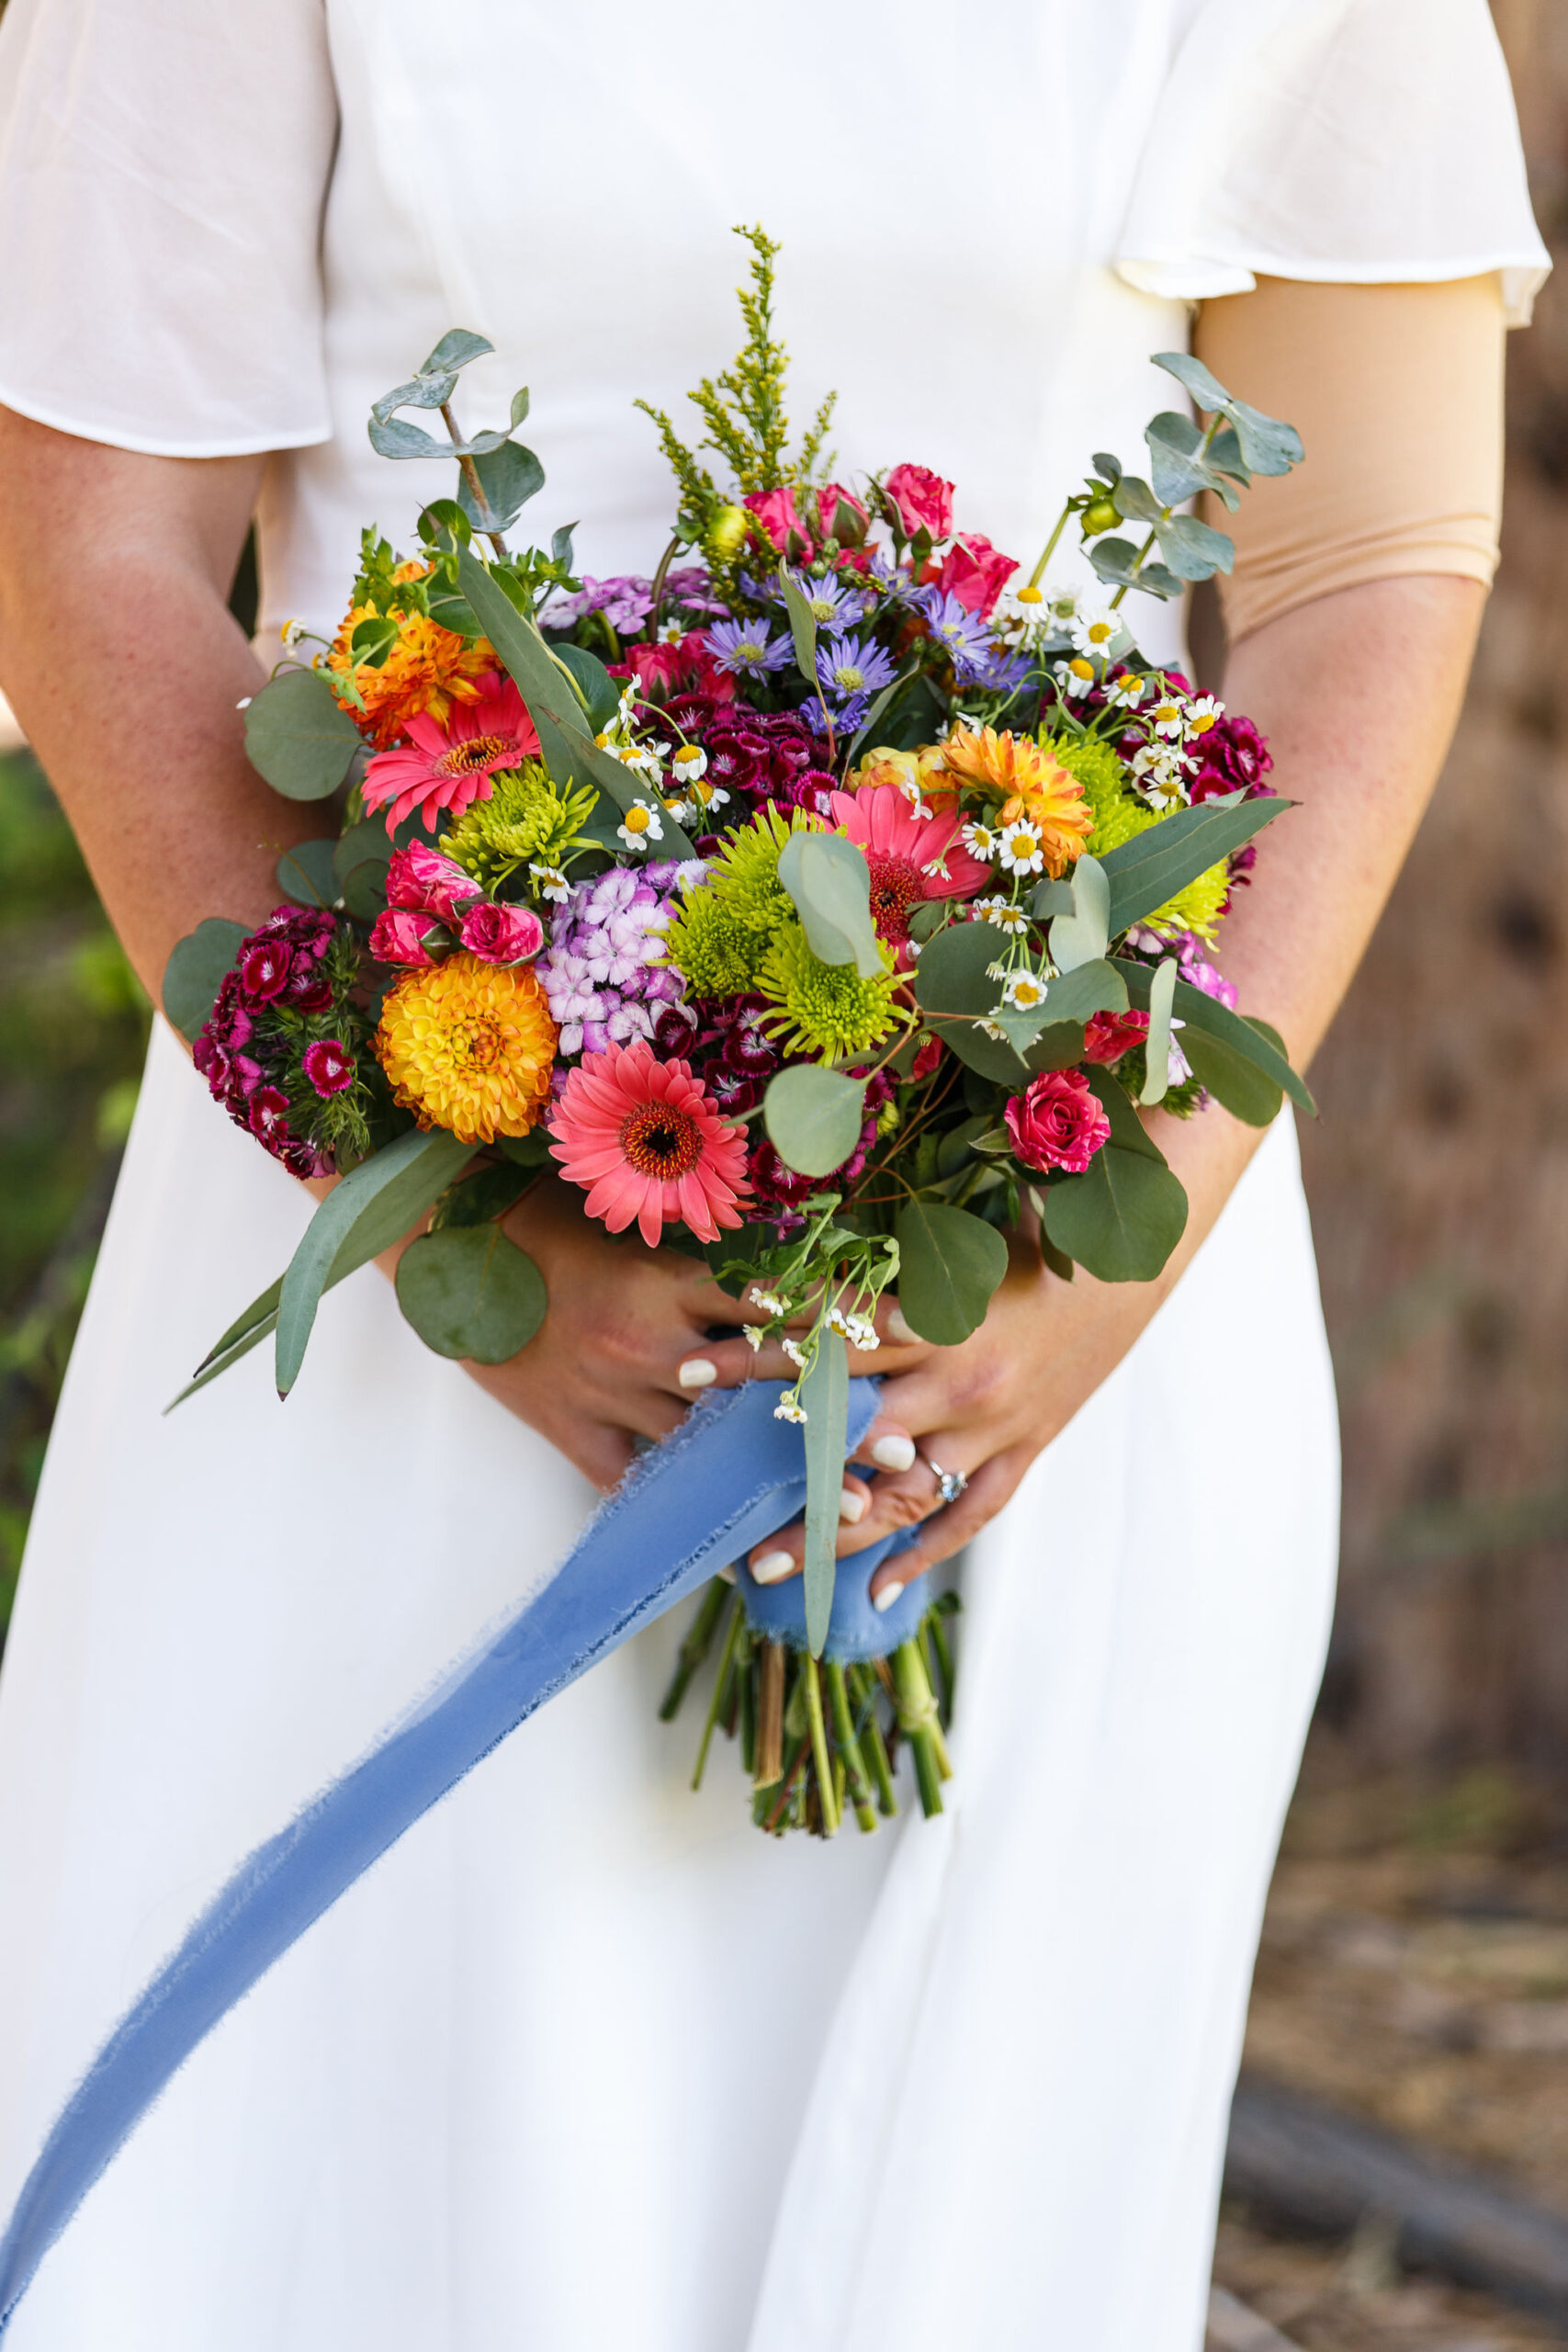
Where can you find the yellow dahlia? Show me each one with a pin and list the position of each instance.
(428, 670)
(470, 1045)
(1032, 785)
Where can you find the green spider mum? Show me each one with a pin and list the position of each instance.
(526, 819)
(825, 1010)
(1120, 815)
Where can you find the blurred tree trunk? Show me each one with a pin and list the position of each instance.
(1438, 1173)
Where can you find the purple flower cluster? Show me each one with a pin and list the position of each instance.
(603, 971)
(243, 1045)
(625, 601)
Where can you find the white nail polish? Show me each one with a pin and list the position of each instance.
(853, 1505)
(697, 1373)
(882, 1601)
(899, 1329)
(894, 1453)
(773, 1567)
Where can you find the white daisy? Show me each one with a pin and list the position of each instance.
(1203, 713)
(1168, 718)
(1021, 851)
(1026, 992)
(1126, 692)
(1093, 629)
(552, 882)
(1076, 676)
(981, 841)
(641, 825)
(786, 1409)
(1003, 914)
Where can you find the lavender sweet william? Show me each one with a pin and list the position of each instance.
(603, 971)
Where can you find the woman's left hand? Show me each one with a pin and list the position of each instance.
(983, 1409)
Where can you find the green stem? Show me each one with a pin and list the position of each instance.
(785, 1787)
(720, 1681)
(825, 1794)
(1138, 563)
(665, 561)
(695, 1647)
(1038, 574)
(917, 1720)
(848, 1746)
(873, 1745)
(470, 474)
(944, 1648)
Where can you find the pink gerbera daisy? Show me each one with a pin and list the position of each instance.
(449, 767)
(645, 1136)
(912, 856)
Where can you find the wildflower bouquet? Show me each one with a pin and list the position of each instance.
(825, 905)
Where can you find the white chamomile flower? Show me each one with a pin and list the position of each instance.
(862, 1333)
(641, 825)
(1062, 602)
(795, 1352)
(293, 633)
(689, 764)
(1160, 775)
(1076, 676)
(998, 971)
(981, 841)
(753, 1333)
(994, 1029)
(1026, 992)
(1018, 613)
(1168, 718)
(1021, 851)
(767, 1300)
(670, 632)
(552, 882)
(1003, 914)
(1126, 692)
(1203, 713)
(787, 1409)
(1093, 629)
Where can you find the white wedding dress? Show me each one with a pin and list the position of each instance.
(585, 2064)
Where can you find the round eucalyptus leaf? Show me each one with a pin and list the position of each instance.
(814, 1118)
(949, 1264)
(298, 736)
(829, 881)
(509, 477)
(954, 989)
(1120, 1221)
(471, 1293)
(307, 874)
(193, 973)
(1247, 1093)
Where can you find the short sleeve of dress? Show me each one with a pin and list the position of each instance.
(1350, 142)
(163, 169)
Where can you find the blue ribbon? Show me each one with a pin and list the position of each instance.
(729, 1476)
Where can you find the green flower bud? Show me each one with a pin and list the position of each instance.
(728, 532)
(1099, 515)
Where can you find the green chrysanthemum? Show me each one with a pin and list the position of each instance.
(726, 927)
(1120, 815)
(826, 1010)
(525, 819)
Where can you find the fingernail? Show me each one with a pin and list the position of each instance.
(900, 1327)
(852, 1504)
(773, 1567)
(894, 1453)
(883, 1599)
(697, 1373)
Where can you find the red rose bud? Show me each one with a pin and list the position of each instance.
(774, 510)
(926, 1057)
(924, 500)
(501, 934)
(401, 936)
(841, 516)
(329, 1066)
(421, 879)
(1058, 1124)
(976, 572)
(1108, 1035)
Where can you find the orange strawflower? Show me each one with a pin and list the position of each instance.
(469, 1046)
(1030, 785)
(428, 670)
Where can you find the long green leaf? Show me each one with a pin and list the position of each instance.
(1202, 1012)
(398, 1183)
(553, 700)
(1148, 871)
(802, 628)
(825, 1394)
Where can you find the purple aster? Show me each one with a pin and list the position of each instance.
(832, 606)
(850, 670)
(959, 633)
(747, 647)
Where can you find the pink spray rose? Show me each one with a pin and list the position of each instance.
(401, 935)
(501, 934)
(1108, 1035)
(1058, 1122)
(426, 882)
(774, 509)
(841, 516)
(924, 500)
(976, 572)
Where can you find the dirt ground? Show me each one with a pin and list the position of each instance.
(1414, 1969)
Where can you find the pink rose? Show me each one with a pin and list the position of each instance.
(1110, 1034)
(924, 500)
(841, 516)
(774, 509)
(403, 936)
(1058, 1122)
(501, 934)
(426, 882)
(976, 572)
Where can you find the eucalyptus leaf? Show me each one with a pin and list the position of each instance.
(955, 991)
(1243, 1090)
(394, 437)
(485, 1193)
(532, 1150)
(453, 612)
(829, 881)
(1120, 1221)
(1178, 466)
(601, 694)
(825, 1395)
(802, 628)
(1052, 899)
(950, 1264)
(299, 737)
(1087, 988)
(1136, 502)
(1249, 1039)
(509, 476)
(359, 863)
(196, 971)
(471, 1293)
(561, 545)
(396, 1184)
(457, 348)
(307, 874)
(1128, 1132)
(1267, 444)
(1193, 549)
(814, 1118)
(1106, 466)
(1116, 561)
(1083, 936)
(1146, 872)
(1157, 1066)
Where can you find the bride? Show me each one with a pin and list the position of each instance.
(584, 2061)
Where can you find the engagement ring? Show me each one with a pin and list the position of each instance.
(950, 1484)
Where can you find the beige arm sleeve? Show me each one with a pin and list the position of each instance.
(1397, 393)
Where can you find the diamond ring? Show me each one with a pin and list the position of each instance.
(950, 1484)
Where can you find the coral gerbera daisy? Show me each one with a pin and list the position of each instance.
(450, 767)
(912, 855)
(645, 1136)
(1032, 785)
(470, 1045)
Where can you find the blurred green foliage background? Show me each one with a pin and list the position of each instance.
(72, 1034)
